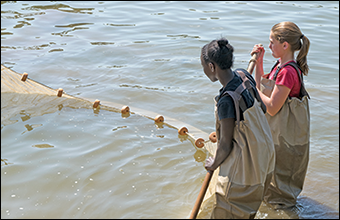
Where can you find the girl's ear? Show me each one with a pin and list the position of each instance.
(212, 67)
(285, 45)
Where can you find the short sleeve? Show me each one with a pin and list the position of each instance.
(226, 105)
(225, 108)
(287, 77)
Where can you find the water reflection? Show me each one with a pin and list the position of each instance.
(182, 36)
(74, 25)
(4, 162)
(21, 24)
(42, 146)
(200, 156)
(31, 127)
(119, 127)
(59, 7)
(120, 25)
(35, 47)
(102, 43)
(159, 125)
(125, 115)
(25, 117)
(182, 137)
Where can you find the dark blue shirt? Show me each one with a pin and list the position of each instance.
(225, 104)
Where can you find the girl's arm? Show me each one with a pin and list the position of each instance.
(280, 92)
(276, 100)
(258, 73)
(259, 63)
(224, 145)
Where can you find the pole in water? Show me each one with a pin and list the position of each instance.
(201, 194)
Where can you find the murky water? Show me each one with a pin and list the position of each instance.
(77, 163)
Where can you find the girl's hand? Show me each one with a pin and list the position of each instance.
(260, 52)
(208, 164)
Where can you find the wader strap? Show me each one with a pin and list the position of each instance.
(252, 90)
(238, 100)
(277, 72)
(276, 63)
(243, 86)
(245, 80)
(303, 91)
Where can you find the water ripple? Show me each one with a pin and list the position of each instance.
(120, 25)
(60, 7)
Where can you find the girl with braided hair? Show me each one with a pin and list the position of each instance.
(244, 157)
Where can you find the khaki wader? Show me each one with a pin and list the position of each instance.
(246, 173)
(290, 131)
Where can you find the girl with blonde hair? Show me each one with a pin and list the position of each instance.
(283, 92)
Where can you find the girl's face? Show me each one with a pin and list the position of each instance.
(207, 70)
(275, 46)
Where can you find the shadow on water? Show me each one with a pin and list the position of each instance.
(306, 208)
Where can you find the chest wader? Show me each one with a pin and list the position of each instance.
(246, 173)
(290, 131)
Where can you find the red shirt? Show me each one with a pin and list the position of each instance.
(289, 78)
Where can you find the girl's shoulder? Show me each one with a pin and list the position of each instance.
(288, 70)
(291, 68)
(288, 76)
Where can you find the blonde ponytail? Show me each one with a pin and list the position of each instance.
(290, 32)
(301, 58)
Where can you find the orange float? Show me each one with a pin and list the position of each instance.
(159, 119)
(60, 92)
(213, 137)
(199, 142)
(96, 103)
(125, 110)
(183, 131)
(24, 77)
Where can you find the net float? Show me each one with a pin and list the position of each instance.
(159, 119)
(125, 110)
(60, 92)
(96, 103)
(199, 142)
(183, 131)
(213, 137)
(24, 77)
